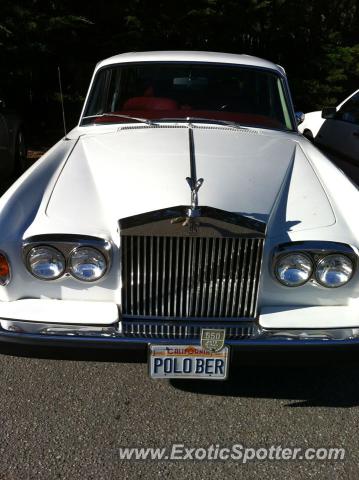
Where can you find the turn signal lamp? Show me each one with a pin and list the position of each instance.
(4, 270)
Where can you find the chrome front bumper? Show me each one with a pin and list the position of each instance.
(97, 324)
(49, 334)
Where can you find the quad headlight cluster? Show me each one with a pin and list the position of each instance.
(83, 263)
(329, 270)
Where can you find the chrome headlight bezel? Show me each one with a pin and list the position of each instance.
(50, 249)
(324, 259)
(316, 251)
(72, 269)
(281, 258)
(66, 244)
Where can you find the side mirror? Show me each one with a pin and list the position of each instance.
(299, 116)
(329, 112)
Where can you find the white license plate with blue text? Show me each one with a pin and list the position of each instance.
(187, 361)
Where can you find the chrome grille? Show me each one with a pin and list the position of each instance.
(190, 277)
(190, 331)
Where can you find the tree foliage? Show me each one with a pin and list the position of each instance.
(316, 41)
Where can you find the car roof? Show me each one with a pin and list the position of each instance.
(190, 56)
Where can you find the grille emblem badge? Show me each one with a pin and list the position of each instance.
(212, 339)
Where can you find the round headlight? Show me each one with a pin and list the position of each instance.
(294, 269)
(46, 263)
(87, 264)
(334, 270)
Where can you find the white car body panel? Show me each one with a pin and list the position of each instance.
(82, 313)
(165, 151)
(309, 317)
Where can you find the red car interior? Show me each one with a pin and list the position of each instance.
(160, 107)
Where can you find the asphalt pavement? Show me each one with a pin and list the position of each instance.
(65, 414)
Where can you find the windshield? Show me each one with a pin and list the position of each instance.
(245, 95)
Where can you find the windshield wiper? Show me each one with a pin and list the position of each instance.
(227, 123)
(109, 114)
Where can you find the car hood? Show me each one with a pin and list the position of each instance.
(264, 175)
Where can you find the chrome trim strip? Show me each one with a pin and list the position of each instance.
(213, 222)
(185, 320)
(259, 258)
(315, 247)
(175, 330)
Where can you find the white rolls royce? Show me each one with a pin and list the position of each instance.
(185, 214)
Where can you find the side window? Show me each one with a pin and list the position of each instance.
(349, 112)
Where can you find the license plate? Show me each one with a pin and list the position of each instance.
(187, 361)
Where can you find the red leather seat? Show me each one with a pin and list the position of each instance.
(150, 103)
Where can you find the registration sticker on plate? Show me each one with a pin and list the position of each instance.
(187, 361)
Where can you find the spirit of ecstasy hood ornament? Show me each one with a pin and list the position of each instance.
(194, 212)
(194, 185)
(191, 219)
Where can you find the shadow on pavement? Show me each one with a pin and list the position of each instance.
(304, 379)
(320, 379)
(79, 354)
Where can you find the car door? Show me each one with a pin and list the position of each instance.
(341, 133)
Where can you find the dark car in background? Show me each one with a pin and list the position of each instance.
(12, 139)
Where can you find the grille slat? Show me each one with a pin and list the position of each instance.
(199, 289)
(190, 277)
(163, 303)
(211, 268)
(205, 276)
(177, 332)
(248, 278)
(256, 277)
(157, 272)
(138, 309)
(231, 271)
(144, 290)
(131, 278)
(242, 279)
(170, 275)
